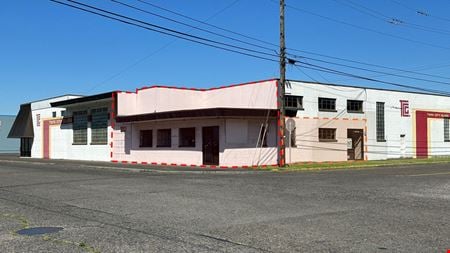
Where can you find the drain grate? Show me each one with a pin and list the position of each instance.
(39, 230)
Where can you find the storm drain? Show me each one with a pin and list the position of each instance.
(39, 230)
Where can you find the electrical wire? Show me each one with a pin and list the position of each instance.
(147, 56)
(206, 23)
(366, 28)
(190, 26)
(337, 72)
(375, 71)
(164, 30)
(395, 21)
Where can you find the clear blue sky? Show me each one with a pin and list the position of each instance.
(47, 49)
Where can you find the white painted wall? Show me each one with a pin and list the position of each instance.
(44, 109)
(61, 136)
(395, 125)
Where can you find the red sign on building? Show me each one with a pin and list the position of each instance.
(404, 107)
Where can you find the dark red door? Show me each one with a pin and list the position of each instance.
(46, 139)
(210, 147)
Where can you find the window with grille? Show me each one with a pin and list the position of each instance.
(187, 137)
(164, 138)
(99, 126)
(380, 122)
(80, 122)
(327, 104)
(146, 139)
(327, 134)
(354, 106)
(446, 130)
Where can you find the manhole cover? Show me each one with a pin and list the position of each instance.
(39, 230)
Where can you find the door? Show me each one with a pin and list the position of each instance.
(25, 146)
(355, 148)
(46, 140)
(210, 146)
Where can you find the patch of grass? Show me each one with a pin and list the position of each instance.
(359, 164)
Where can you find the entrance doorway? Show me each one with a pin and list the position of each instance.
(46, 139)
(355, 149)
(25, 146)
(210, 146)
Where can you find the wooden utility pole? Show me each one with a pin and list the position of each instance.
(281, 91)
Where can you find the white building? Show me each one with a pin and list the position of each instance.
(339, 123)
(236, 126)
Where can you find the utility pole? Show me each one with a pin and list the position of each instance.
(281, 91)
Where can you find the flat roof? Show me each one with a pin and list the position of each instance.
(82, 99)
(370, 88)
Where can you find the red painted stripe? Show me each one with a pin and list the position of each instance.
(153, 163)
(134, 162)
(124, 161)
(174, 164)
(183, 165)
(245, 166)
(111, 154)
(224, 167)
(164, 164)
(193, 165)
(144, 163)
(202, 166)
(234, 167)
(114, 161)
(213, 166)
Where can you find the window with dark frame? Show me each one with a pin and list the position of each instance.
(187, 137)
(327, 104)
(292, 104)
(146, 138)
(164, 138)
(80, 123)
(355, 106)
(380, 122)
(99, 126)
(54, 114)
(327, 134)
(446, 130)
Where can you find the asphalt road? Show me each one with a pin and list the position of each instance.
(399, 209)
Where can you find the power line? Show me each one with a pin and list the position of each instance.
(167, 31)
(117, 74)
(423, 13)
(366, 28)
(375, 71)
(165, 9)
(191, 26)
(367, 64)
(207, 24)
(391, 20)
(338, 72)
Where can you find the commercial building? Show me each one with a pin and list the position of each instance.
(237, 125)
(7, 146)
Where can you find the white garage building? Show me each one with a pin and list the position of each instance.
(236, 126)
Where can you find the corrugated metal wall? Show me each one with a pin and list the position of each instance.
(7, 145)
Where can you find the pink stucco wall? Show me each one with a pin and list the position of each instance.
(258, 95)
